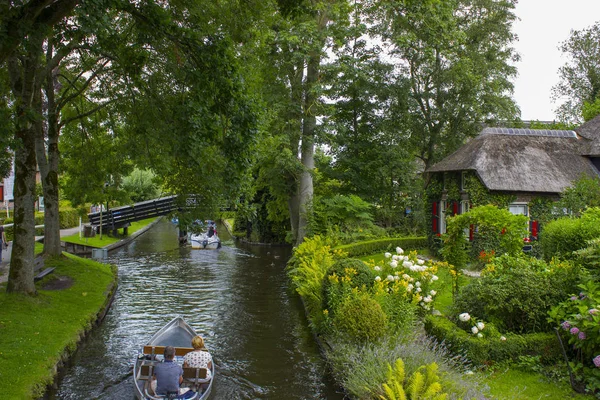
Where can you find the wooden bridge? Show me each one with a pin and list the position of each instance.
(122, 217)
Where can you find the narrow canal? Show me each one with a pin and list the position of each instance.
(237, 298)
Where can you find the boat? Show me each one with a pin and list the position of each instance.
(179, 334)
(205, 242)
(208, 240)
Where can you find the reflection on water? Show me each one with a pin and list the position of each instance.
(237, 298)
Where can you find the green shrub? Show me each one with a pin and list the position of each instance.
(401, 314)
(418, 387)
(307, 268)
(515, 293)
(560, 238)
(500, 231)
(381, 245)
(493, 349)
(359, 317)
(579, 318)
(344, 275)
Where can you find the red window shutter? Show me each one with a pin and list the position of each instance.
(471, 232)
(455, 208)
(434, 209)
(534, 229)
(1, 193)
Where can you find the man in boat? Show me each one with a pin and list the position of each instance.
(168, 375)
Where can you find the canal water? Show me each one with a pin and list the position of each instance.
(238, 298)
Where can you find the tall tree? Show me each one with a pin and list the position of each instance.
(457, 57)
(372, 159)
(579, 84)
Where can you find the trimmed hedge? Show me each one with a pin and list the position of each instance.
(487, 351)
(379, 245)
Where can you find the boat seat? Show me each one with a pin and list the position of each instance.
(196, 375)
(160, 350)
(146, 370)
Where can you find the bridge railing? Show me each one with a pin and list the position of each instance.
(120, 217)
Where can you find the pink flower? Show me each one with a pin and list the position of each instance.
(565, 325)
(594, 311)
(581, 336)
(574, 330)
(597, 361)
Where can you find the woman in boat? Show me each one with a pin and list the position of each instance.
(199, 357)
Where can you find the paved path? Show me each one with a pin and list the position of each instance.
(4, 265)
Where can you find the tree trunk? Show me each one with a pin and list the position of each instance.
(24, 86)
(295, 75)
(308, 146)
(48, 164)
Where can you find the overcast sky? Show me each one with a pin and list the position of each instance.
(542, 26)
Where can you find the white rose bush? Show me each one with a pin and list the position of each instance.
(408, 276)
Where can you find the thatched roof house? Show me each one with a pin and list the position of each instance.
(522, 160)
(521, 164)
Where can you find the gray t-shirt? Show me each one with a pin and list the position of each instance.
(167, 377)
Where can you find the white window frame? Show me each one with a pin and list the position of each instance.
(442, 216)
(526, 208)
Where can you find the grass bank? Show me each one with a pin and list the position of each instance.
(106, 239)
(37, 332)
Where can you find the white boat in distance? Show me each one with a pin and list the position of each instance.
(179, 334)
(205, 242)
(208, 240)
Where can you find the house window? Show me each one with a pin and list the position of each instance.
(464, 206)
(518, 209)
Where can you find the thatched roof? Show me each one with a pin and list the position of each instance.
(522, 160)
(590, 132)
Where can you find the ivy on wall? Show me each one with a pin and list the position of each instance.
(479, 195)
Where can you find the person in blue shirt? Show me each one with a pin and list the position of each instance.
(168, 375)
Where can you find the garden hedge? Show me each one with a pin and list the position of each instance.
(487, 351)
(379, 245)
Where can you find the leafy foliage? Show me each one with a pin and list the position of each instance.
(499, 230)
(360, 318)
(584, 193)
(579, 317)
(418, 387)
(560, 238)
(307, 269)
(580, 76)
(515, 293)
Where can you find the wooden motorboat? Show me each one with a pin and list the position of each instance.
(179, 334)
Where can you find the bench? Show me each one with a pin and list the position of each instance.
(160, 350)
(43, 274)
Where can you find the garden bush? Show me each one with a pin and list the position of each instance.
(495, 347)
(579, 318)
(515, 293)
(359, 317)
(307, 268)
(560, 238)
(380, 245)
(344, 275)
(498, 231)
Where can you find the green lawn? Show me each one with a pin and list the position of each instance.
(515, 384)
(106, 240)
(34, 331)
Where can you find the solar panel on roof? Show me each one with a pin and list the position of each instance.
(529, 132)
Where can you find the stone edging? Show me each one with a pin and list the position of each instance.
(66, 356)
